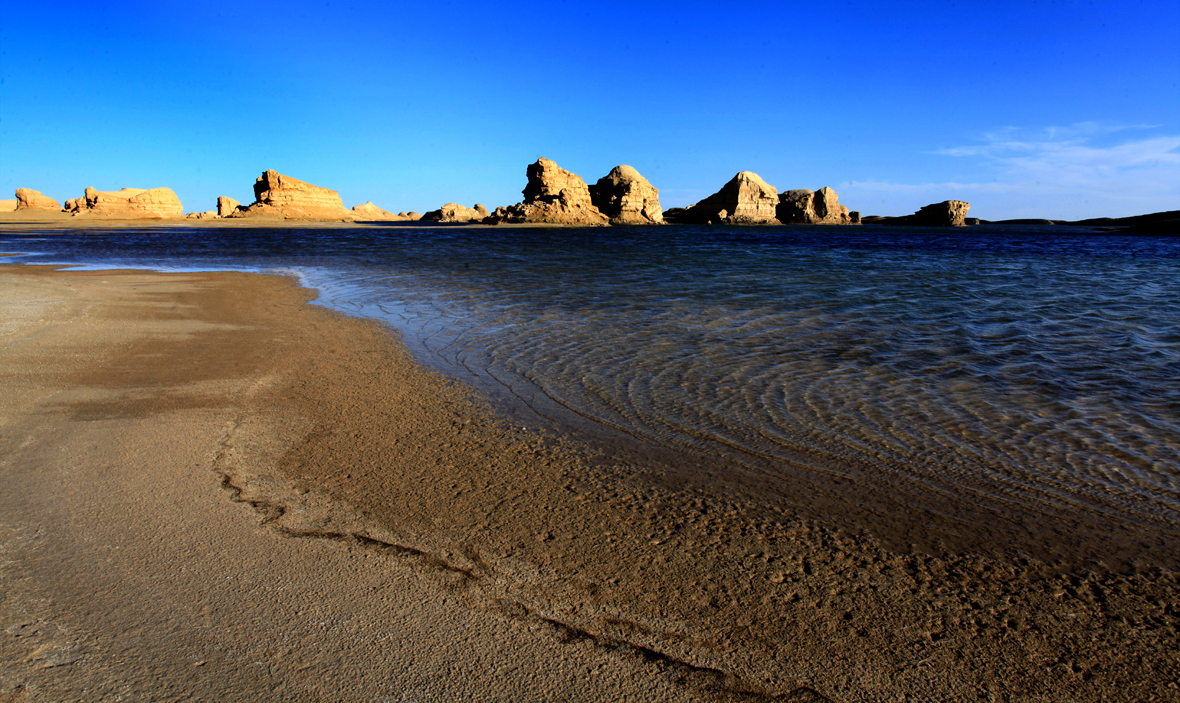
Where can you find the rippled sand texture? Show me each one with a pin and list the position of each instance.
(1005, 393)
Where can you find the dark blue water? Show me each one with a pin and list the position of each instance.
(1030, 371)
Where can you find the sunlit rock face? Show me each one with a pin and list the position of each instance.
(553, 195)
(627, 198)
(127, 203)
(948, 213)
(745, 200)
(821, 207)
(227, 206)
(29, 199)
(369, 211)
(454, 212)
(284, 197)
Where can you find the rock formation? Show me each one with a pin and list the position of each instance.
(227, 206)
(283, 197)
(369, 211)
(948, 213)
(553, 195)
(627, 198)
(821, 207)
(8, 205)
(414, 216)
(453, 212)
(128, 203)
(27, 199)
(796, 207)
(207, 215)
(745, 200)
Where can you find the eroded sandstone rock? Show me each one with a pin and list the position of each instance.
(948, 213)
(227, 206)
(453, 212)
(369, 211)
(553, 195)
(287, 198)
(821, 207)
(29, 199)
(828, 209)
(796, 206)
(627, 198)
(127, 203)
(745, 200)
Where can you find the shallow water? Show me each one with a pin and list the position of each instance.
(983, 380)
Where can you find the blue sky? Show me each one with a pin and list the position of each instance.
(1025, 109)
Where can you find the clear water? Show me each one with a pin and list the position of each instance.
(923, 374)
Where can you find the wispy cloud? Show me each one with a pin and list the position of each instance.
(918, 188)
(1062, 168)
(1004, 139)
(1068, 155)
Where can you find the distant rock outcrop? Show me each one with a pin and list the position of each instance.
(8, 205)
(949, 213)
(627, 198)
(128, 203)
(553, 195)
(1167, 216)
(207, 215)
(287, 198)
(28, 199)
(1154, 227)
(414, 216)
(454, 212)
(227, 206)
(745, 200)
(821, 207)
(952, 213)
(369, 211)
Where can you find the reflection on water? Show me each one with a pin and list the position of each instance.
(1014, 369)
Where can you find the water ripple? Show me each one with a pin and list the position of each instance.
(1028, 373)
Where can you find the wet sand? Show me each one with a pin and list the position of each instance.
(212, 489)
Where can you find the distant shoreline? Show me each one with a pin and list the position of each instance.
(1154, 223)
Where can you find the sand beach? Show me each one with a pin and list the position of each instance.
(399, 353)
(214, 490)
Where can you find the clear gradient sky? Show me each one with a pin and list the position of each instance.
(1025, 109)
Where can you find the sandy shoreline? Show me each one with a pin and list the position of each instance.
(386, 494)
(47, 220)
